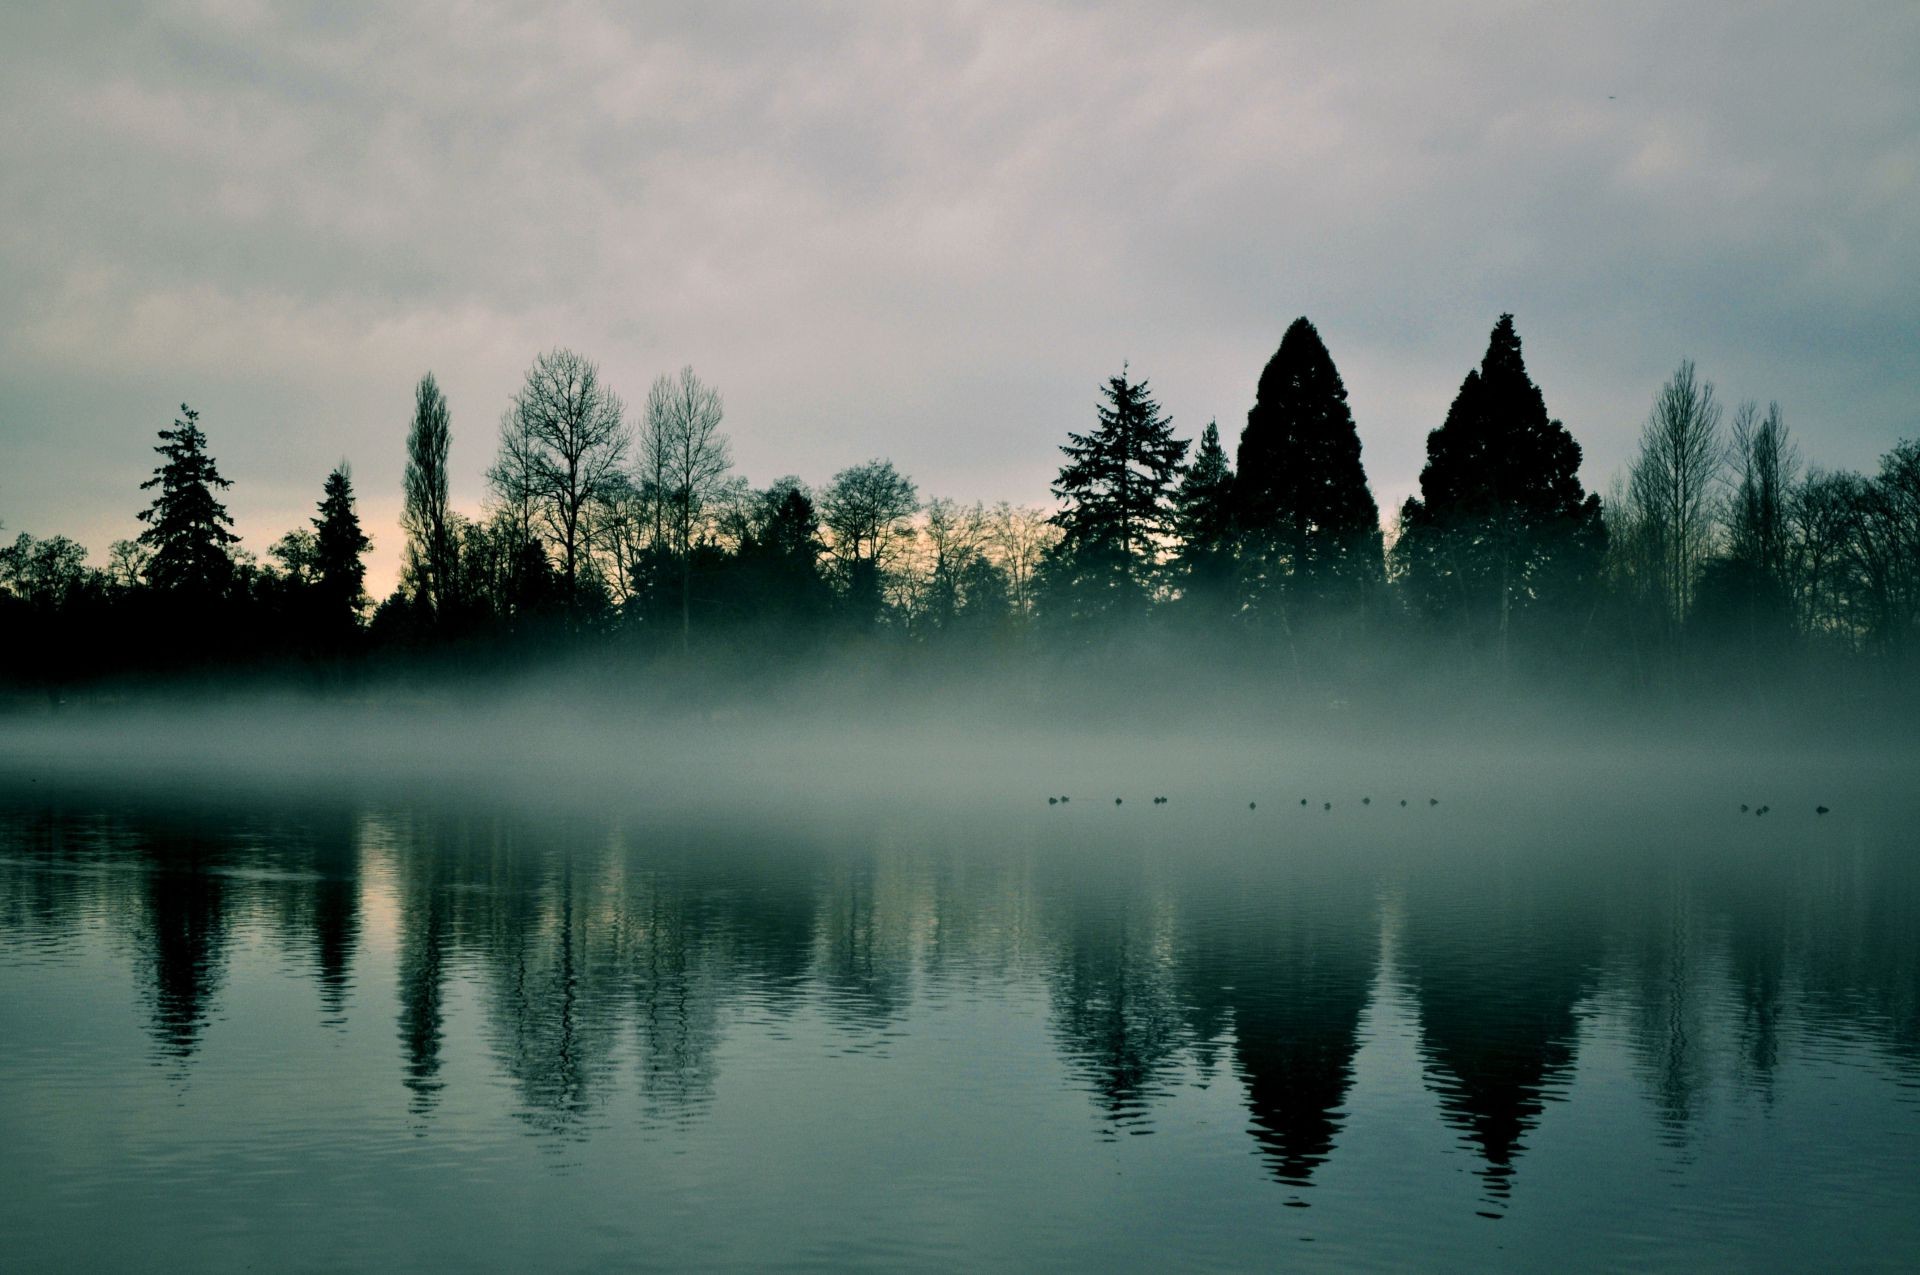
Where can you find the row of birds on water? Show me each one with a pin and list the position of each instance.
(1431, 801)
(1253, 805)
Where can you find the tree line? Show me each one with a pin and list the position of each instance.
(1715, 555)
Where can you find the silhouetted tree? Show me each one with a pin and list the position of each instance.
(1116, 486)
(687, 458)
(340, 575)
(1501, 527)
(563, 446)
(425, 520)
(866, 508)
(779, 556)
(1671, 489)
(188, 529)
(1204, 528)
(1310, 529)
(1020, 537)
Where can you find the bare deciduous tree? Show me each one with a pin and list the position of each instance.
(574, 443)
(866, 508)
(1763, 464)
(1671, 487)
(1020, 536)
(684, 459)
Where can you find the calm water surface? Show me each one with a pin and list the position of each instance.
(369, 1029)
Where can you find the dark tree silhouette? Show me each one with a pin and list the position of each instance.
(1116, 485)
(426, 516)
(1310, 528)
(779, 558)
(339, 574)
(1501, 527)
(1204, 528)
(866, 507)
(188, 529)
(564, 441)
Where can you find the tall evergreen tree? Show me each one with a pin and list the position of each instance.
(1204, 527)
(340, 576)
(429, 538)
(1502, 527)
(1310, 528)
(1116, 485)
(188, 529)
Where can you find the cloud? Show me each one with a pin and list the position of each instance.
(928, 231)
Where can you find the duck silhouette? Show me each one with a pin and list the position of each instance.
(1820, 810)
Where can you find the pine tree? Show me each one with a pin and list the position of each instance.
(1310, 528)
(1204, 526)
(339, 574)
(1502, 526)
(187, 526)
(1116, 484)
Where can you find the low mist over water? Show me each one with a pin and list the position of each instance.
(1413, 1007)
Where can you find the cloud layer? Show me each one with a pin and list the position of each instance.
(928, 230)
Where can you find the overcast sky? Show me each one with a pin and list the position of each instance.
(928, 231)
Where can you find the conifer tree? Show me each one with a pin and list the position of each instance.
(1204, 526)
(188, 529)
(1502, 526)
(1116, 484)
(339, 574)
(1310, 528)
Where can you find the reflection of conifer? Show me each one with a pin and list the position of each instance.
(1498, 1001)
(186, 930)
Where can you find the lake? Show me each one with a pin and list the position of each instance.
(449, 1026)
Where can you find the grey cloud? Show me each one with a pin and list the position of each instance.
(928, 230)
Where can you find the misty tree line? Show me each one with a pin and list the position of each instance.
(1716, 555)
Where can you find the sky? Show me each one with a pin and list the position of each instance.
(928, 231)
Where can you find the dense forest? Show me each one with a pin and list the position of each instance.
(1718, 560)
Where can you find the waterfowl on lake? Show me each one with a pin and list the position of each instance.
(1820, 810)
(1433, 801)
(1053, 801)
(1326, 805)
(1252, 805)
(1403, 801)
(1743, 807)
(1366, 801)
